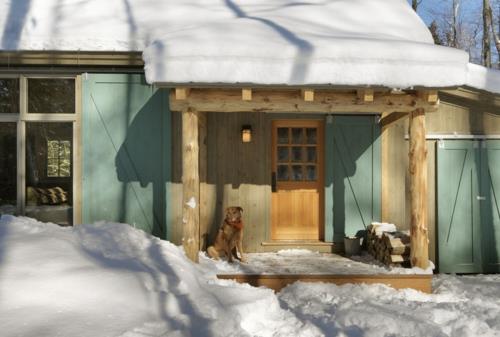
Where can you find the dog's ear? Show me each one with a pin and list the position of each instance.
(239, 209)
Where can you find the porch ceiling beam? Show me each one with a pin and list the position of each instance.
(182, 94)
(429, 96)
(365, 95)
(246, 94)
(307, 95)
(291, 101)
(418, 190)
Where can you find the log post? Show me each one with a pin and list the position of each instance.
(418, 190)
(191, 184)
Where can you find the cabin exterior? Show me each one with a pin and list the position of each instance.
(84, 138)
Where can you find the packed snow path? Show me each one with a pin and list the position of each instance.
(113, 280)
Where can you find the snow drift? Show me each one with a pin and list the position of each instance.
(110, 279)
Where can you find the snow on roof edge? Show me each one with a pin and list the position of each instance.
(483, 78)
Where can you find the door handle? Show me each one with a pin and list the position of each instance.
(273, 182)
(480, 198)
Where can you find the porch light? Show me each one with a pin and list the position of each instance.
(246, 133)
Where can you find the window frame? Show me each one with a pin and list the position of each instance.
(22, 117)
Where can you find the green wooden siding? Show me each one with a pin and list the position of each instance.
(352, 177)
(468, 184)
(126, 151)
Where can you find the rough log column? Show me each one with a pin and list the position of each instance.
(418, 190)
(191, 184)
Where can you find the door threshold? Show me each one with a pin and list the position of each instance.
(297, 242)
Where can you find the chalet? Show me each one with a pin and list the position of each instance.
(316, 117)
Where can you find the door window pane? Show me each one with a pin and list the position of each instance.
(283, 174)
(311, 135)
(8, 168)
(296, 154)
(311, 173)
(9, 95)
(311, 154)
(283, 136)
(297, 172)
(49, 148)
(297, 136)
(50, 95)
(283, 154)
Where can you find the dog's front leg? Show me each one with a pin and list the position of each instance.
(239, 247)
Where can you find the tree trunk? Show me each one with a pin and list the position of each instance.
(496, 35)
(487, 26)
(454, 26)
(414, 4)
(418, 190)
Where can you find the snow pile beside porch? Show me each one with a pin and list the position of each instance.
(113, 280)
(110, 279)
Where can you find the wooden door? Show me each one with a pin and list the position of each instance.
(458, 205)
(297, 174)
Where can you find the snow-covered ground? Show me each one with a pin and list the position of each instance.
(113, 280)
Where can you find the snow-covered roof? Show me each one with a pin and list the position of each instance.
(279, 42)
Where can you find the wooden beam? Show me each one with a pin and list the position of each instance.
(388, 119)
(429, 96)
(181, 93)
(418, 190)
(290, 101)
(307, 95)
(191, 184)
(366, 95)
(246, 94)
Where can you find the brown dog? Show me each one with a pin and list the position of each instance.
(229, 237)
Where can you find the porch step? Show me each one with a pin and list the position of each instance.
(317, 246)
(277, 282)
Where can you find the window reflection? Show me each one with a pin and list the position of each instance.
(51, 95)
(9, 95)
(8, 168)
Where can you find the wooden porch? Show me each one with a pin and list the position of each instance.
(391, 105)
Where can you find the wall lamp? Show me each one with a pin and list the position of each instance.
(246, 133)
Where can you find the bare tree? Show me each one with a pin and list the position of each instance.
(495, 34)
(487, 26)
(415, 4)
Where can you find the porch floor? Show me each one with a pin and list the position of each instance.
(277, 270)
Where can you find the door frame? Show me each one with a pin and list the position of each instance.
(320, 123)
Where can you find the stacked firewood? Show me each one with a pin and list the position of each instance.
(388, 245)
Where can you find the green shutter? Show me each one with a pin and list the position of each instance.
(126, 151)
(459, 241)
(490, 206)
(352, 199)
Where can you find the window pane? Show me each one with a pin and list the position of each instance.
(283, 174)
(311, 154)
(48, 171)
(311, 135)
(8, 168)
(9, 95)
(296, 154)
(49, 95)
(297, 136)
(283, 154)
(297, 172)
(283, 136)
(311, 172)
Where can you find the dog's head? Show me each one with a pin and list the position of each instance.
(233, 214)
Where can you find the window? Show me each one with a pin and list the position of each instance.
(37, 130)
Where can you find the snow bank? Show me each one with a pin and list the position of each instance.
(111, 279)
(280, 42)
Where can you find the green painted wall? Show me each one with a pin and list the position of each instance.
(126, 152)
(468, 206)
(352, 175)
